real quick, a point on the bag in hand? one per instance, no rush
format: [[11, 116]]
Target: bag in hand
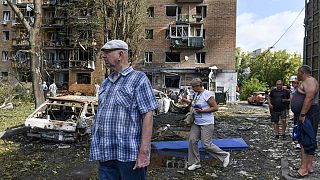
[[296, 132], [189, 118]]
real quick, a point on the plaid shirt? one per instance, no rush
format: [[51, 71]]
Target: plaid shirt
[[117, 130]]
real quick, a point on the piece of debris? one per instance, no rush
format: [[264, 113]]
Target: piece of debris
[[251, 119], [64, 146], [6, 106]]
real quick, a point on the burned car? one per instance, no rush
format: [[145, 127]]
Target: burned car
[[65, 118], [257, 98]]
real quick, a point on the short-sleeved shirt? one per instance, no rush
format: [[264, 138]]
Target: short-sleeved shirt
[[276, 99], [116, 133], [201, 101]]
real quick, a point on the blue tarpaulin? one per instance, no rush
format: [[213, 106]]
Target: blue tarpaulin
[[179, 148]]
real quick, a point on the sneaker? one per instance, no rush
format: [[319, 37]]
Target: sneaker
[[194, 167], [226, 160]]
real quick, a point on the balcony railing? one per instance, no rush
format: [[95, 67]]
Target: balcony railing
[[187, 42], [188, 18], [20, 42]]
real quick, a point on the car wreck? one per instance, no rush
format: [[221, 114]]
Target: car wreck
[[65, 118]]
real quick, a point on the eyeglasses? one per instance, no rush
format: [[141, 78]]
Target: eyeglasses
[[194, 85]]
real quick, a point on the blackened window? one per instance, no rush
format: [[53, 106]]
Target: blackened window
[[148, 57], [172, 57], [83, 78], [172, 81], [149, 34], [5, 35], [173, 10], [200, 57], [150, 12]]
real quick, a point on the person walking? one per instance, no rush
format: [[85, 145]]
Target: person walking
[[53, 89], [278, 100], [204, 105], [121, 135], [305, 106], [44, 89]]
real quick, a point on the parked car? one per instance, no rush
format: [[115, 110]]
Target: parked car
[[65, 118], [257, 98]]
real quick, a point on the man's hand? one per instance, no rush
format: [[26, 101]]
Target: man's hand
[[143, 160], [302, 118]]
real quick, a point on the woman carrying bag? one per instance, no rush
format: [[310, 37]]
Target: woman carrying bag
[[202, 128]]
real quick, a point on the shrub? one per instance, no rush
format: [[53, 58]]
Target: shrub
[[250, 86]]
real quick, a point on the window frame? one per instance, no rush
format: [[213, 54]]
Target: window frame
[[202, 56], [148, 57]]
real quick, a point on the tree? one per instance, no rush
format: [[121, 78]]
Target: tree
[[124, 19], [242, 66], [250, 86], [271, 66], [33, 30]]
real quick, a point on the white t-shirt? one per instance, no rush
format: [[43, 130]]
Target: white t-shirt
[[201, 101]]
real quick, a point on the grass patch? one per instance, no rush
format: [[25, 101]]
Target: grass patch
[[16, 116]]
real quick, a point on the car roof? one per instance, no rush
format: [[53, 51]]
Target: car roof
[[258, 92], [74, 98]]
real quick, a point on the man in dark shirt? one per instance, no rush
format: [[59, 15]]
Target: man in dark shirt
[[278, 99]]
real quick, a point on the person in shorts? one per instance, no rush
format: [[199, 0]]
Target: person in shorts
[[278, 100]]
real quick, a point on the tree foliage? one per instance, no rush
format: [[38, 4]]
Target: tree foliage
[[124, 19], [255, 74], [252, 85], [271, 66]]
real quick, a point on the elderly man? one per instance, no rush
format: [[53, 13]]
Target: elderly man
[[305, 106], [121, 135]]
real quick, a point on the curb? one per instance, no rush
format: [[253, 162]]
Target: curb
[[14, 131]]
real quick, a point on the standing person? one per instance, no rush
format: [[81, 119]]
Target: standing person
[[122, 131], [278, 99], [305, 106], [53, 89], [44, 89], [204, 105]]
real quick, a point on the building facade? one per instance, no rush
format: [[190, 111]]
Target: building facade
[[311, 51], [185, 39]]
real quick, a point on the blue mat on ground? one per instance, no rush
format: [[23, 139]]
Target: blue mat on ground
[[180, 148], [224, 144]]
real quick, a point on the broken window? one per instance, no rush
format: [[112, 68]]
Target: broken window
[[5, 35], [173, 10], [4, 76], [149, 33], [172, 56], [200, 57], [179, 31], [172, 81], [84, 78], [150, 12], [6, 15], [148, 57], [201, 13], [200, 33], [5, 55]]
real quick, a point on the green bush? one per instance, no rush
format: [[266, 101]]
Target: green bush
[[17, 93], [250, 86]]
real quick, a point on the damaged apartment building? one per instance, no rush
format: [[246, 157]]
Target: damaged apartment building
[[68, 48], [183, 39]]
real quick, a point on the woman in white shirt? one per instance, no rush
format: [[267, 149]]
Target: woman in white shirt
[[204, 105]]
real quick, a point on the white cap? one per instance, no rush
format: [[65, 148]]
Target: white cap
[[114, 45]]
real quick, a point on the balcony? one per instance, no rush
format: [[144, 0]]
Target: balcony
[[20, 42], [189, 1], [188, 18], [187, 42]]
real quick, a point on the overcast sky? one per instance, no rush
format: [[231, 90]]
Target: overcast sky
[[260, 23]]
